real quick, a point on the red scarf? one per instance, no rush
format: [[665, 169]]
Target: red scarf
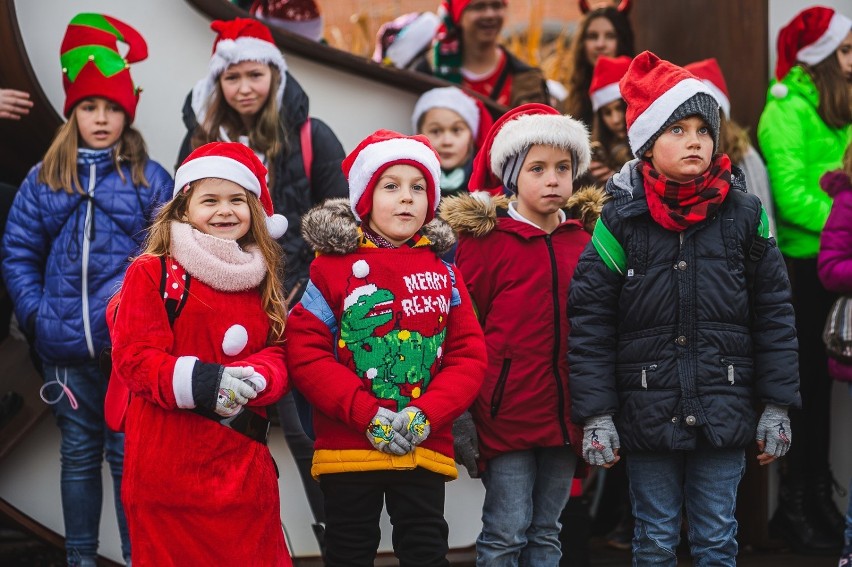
[[677, 206]]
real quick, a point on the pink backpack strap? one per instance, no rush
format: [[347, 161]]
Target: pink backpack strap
[[307, 147]]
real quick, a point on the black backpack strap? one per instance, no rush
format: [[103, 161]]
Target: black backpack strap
[[173, 306]]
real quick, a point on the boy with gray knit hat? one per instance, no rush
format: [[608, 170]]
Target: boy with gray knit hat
[[680, 320]]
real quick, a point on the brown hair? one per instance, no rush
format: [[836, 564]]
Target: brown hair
[[265, 136], [578, 104], [610, 149], [835, 102], [733, 140], [159, 240], [59, 166]]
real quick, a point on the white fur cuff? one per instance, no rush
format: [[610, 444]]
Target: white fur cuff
[[182, 381]]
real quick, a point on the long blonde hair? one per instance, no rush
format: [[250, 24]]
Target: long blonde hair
[[267, 134], [733, 140], [59, 167], [159, 240]]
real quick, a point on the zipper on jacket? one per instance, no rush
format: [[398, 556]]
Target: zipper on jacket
[[557, 338], [497, 395], [90, 209], [645, 370], [680, 237], [730, 365]]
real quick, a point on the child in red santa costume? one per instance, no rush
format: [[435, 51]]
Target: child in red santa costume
[[387, 348], [199, 482]]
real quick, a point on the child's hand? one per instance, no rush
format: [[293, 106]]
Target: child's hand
[[382, 435], [413, 424], [233, 393], [256, 381], [773, 434], [600, 441]]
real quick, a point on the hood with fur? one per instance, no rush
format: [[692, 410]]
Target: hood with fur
[[476, 213], [331, 228]]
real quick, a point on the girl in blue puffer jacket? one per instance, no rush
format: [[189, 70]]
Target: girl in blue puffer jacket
[[76, 220]]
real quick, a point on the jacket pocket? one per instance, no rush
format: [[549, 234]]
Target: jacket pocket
[[738, 370], [499, 387], [636, 376]]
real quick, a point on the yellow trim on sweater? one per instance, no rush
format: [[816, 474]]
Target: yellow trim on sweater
[[329, 461]]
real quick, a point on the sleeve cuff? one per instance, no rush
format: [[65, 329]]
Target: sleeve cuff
[[182, 381]]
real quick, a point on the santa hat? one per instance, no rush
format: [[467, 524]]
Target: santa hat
[[659, 93], [472, 111], [710, 73], [498, 162], [237, 40], [234, 162], [301, 17], [604, 86], [381, 150], [623, 6], [810, 37], [92, 65]]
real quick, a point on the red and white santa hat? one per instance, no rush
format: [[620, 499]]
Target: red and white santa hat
[[234, 162], [710, 73], [659, 93], [809, 38], [471, 110], [381, 150], [604, 86], [237, 40]]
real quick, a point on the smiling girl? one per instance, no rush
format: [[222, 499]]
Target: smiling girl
[[76, 219]]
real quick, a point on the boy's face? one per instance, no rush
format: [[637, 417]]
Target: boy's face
[[450, 135], [400, 203], [684, 150], [482, 21], [545, 182]]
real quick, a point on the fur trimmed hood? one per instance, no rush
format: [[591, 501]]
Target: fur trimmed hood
[[331, 228], [476, 213]]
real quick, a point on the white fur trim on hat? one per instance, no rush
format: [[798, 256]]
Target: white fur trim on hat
[[838, 28], [376, 156], [451, 98], [720, 97], [557, 90], [547, 129], [216, 166], [649, 122], [229, 52], [605, 95]]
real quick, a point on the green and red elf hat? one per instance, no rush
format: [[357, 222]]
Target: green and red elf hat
[[92, 65]]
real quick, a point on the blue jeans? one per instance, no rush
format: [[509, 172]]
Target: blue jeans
[[525, 492], [706, 480], [85, 440]]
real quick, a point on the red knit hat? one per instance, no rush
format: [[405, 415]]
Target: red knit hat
[[301, 17], [518, 130], [381, 150], [659, 93], [234, 162], [604, 86], [710, 73], [810, 37], [471, 109], [237, 40], [92, 65]]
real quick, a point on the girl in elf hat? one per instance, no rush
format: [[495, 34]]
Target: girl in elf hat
[[198, 341], [77, 217], [610, 150], [386, 347], [803, 132], [517, 258], [680, 320]]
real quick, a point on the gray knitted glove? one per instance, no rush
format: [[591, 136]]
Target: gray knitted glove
[[599, 440], [381, 434], [413, 424], [774, 429], [466, 443]]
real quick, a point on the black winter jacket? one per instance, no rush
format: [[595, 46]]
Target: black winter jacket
[[676, 346], [292, 194]]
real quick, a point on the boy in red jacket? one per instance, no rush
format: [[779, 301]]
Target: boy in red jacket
[[386, 347]]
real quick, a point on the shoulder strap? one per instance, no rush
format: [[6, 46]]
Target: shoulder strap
[[609, 249], [455, 298], [307, 147], [759, 244], [174, 296]]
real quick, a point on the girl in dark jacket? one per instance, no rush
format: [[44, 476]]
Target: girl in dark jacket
[[78, 217]]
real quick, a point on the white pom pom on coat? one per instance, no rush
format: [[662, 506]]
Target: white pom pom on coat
[[236, 339], [361, 269]]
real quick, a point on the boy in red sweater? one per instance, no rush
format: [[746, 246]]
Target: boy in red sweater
[[386, 347]]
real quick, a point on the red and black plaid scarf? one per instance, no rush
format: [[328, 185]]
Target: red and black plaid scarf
[[677, 206]]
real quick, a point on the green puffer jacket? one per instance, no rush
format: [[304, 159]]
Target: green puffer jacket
[[798, 148]]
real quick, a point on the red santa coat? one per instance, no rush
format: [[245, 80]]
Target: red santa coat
[[194, 491]]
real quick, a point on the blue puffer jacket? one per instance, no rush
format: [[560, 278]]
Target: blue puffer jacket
[[665, 335], [64, 254]]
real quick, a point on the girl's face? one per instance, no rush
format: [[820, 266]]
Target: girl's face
[[844, 57], [220, 208], [450, 135], [400, 202], [545, 182], [246, 87], [612, 115], [100, 122], [684, 150], [600, 39]]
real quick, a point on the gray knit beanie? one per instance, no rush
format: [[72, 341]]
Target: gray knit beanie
[[700, 104]]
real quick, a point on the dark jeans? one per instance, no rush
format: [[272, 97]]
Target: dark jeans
[[415, 504], [302, 449]]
